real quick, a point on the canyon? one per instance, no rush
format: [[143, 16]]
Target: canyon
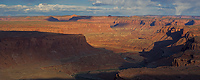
[[100, 47]]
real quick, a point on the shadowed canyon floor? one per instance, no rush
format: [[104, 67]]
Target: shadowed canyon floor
[[99, 48]]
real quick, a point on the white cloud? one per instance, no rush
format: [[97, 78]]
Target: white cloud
[[108, 2], [6, 8], [125, 3], [180, 7], [2, 5], [183, 6], [159, 5], [131, 7], [112, 7], [45, 8], [57, 8]]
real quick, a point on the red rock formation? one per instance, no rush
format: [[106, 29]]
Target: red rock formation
[[153, 40], [25, 47], [68, 53], [191, 55], [160, 73]]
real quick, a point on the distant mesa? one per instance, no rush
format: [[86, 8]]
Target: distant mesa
[[52, 19], [73, 18], [168, 24], [28, 17], [79, 17], [109, 15], [74, 15], [190, 22], [141, 38], [142, 23], [153, 23]]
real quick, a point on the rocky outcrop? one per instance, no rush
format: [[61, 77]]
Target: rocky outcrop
[[67, 53], [193, 43], [185, 63], [160, 73], [52, 19], [189, 57], [31, 47], [196, 44], [191, 54], [158, 22]]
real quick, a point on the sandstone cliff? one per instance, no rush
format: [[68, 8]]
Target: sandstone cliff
[[68, 53], [31, 47], [191, 54]]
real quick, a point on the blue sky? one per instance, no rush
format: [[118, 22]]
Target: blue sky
[[99, 7]]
